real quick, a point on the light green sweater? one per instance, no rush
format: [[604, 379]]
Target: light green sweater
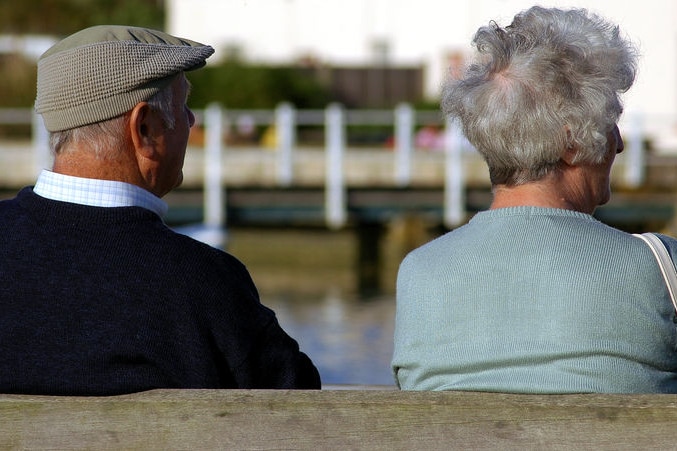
[[535, 300]]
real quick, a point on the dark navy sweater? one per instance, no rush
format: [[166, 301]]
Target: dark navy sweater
[[104, 301]]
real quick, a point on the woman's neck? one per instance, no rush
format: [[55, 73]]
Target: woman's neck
[[556, 190]]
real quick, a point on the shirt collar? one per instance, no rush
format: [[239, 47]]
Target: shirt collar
[[96, 193]]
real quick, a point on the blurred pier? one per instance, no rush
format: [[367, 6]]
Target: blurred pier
[[334, 181], [251, 193]]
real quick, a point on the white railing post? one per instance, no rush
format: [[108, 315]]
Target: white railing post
[[404, 143], [214, 204], [212, 230], [40, 138], [634, 152], [454, 177], [285, 124], [335, 209]]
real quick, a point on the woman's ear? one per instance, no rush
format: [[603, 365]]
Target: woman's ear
[[571, 149], [569, 155]]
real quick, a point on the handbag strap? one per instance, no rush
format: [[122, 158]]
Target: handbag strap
[[664, 262]]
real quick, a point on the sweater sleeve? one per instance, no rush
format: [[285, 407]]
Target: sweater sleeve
[[258, 352], [275, 361]]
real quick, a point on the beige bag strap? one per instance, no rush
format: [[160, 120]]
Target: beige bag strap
[[664, 262]]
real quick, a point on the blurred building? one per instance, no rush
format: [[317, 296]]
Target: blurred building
[[428, 36], [29, 46]]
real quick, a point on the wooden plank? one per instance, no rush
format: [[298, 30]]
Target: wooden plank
[[333, 419]]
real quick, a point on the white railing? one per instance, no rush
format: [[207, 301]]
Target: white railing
[[39, 135], [335, 120], [404, 121]]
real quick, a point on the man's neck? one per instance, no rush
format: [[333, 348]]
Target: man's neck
[[85, 164]]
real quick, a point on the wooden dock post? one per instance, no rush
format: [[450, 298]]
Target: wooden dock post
[[454, 186], [335, 197], [369, 239], [285, 124], [404, 143], [40, 140]]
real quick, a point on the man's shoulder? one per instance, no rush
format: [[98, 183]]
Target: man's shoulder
[[201, 253], [12, 201]]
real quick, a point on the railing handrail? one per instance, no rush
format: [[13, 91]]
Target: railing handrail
[[335, 120]]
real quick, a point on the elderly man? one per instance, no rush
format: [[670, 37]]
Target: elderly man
[[98, 295]]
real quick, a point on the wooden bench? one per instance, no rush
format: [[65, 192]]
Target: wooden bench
[[337, 419]]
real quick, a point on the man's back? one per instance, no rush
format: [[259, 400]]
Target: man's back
[[109, 300]]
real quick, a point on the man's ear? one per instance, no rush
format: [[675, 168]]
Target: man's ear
[[141, 129]]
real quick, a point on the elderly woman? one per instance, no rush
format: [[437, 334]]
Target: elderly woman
[[535, 295]]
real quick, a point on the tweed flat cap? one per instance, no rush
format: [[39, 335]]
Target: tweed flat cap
[[101, 72]]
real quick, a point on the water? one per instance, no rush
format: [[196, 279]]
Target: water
[[308, 278], [349, 340]]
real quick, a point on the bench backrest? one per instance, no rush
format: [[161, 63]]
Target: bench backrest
[[337, 419]]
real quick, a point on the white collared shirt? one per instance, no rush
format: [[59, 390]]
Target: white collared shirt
[[96, 193]]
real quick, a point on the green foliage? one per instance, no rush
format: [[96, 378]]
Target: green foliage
[[19, 77], [17, 90], [60, 18], [236, 85], [63, 17], [427, 104]]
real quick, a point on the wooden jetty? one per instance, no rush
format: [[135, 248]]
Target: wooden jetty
[[338, 183], [335, 181]]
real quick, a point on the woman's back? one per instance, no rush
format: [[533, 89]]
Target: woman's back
[[534, 300]]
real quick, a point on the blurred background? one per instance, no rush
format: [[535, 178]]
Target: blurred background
[[319, 157]]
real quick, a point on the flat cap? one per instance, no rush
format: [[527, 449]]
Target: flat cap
[[101, 72]]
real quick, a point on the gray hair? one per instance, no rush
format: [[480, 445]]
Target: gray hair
[[106, 138], [549, 81]]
